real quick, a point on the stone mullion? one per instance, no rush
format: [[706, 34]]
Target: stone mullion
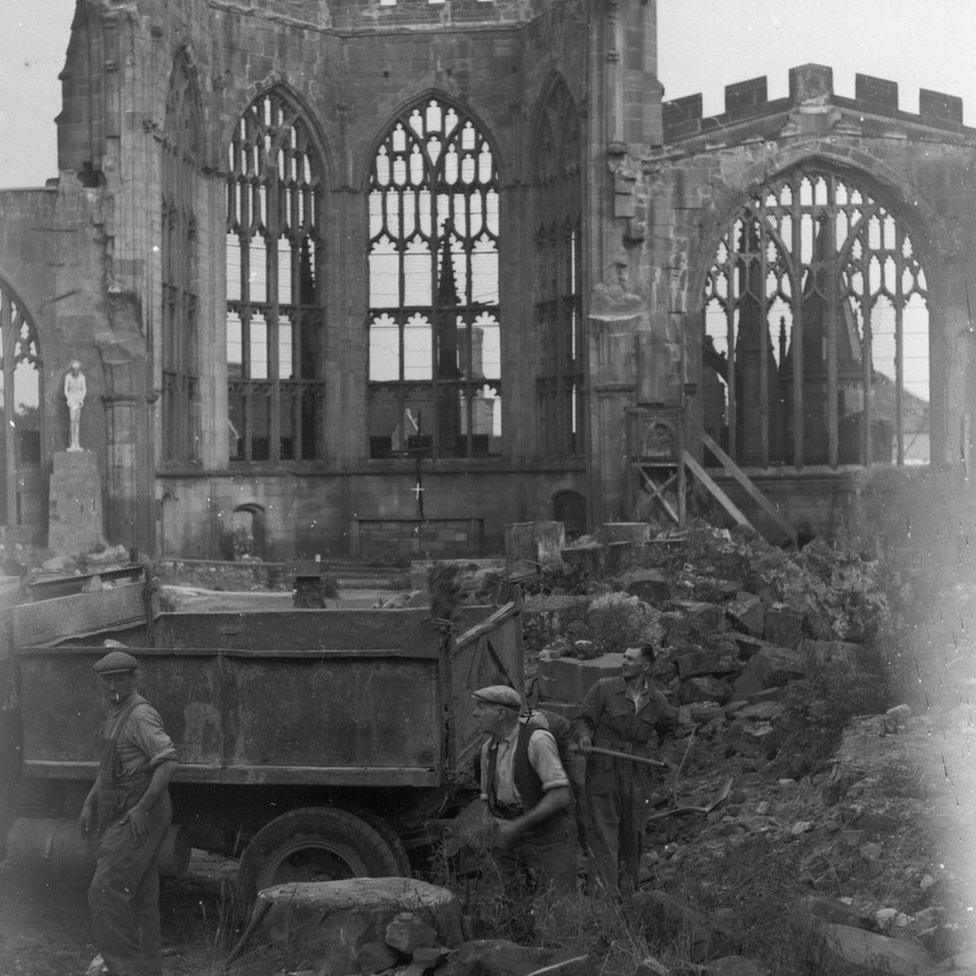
[[9, 448], [867, 355], [831, 313]]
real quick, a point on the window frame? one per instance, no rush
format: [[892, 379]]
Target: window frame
[[275, 210]]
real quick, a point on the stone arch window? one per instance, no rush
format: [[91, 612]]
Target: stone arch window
[[274, 302], [179, 319], [558, 285], [815, 332], [434, 322], [20, 400]]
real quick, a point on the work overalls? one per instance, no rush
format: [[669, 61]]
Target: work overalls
[[618, 792], [124, 893]]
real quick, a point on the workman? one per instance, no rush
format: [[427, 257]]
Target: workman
[[128, 812], [528, 795], [625, 714]]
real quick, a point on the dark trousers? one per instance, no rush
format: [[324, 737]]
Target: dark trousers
[[539, 863], [124, 896], [618, 805]]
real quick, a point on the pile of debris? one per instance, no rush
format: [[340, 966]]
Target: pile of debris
[[777, 663]]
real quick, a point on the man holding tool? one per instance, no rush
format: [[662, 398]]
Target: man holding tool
[[618, 726]]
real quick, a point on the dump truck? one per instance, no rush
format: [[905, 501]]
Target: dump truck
[[314, 744]]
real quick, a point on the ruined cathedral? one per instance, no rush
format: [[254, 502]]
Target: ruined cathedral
[[368, 275]]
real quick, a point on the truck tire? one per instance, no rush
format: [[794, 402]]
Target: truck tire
[[313, 844], [391, 837]]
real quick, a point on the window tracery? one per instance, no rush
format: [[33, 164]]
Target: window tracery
[[434, 322], [20, 405], [179, 319], [816, 331], [274, 307], [558, 304]]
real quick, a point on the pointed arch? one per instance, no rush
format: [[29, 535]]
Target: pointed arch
[[275, 190], [21, 371], [434, 320], [815, 326], [557, 190], [181, 149]]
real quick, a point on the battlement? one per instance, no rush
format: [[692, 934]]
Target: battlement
[[810, 84]]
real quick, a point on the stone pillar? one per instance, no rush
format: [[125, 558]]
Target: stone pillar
[[75, 503]]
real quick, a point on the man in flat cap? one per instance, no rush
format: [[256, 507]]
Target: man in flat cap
[[128, 811], [528, 796]]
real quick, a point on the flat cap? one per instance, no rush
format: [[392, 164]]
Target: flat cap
[[115, 662], [499, 695]]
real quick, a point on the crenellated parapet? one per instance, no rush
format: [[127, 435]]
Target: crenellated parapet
[[811, 91]]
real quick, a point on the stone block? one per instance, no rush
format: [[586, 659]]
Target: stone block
[[811, 83], [847, 946], [407, 932], [636, 533], [777, 665], [712, 590], [821, 653], [649, 585], [705, 661], [619, 557], [374, 957], [699, 619], [783, 626], [747, 644], [330, 922], [568, 680], [587, 560], [703, 688], [748, 613], [536, 542], [75, 503]]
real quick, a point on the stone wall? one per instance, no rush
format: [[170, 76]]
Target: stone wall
[[659, 183]]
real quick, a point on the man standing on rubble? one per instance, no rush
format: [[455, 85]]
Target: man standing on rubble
[[625, 714], [128, 811], [528, 796]]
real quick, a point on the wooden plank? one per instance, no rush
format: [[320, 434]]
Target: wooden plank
[[705, 478], [47, 622], [657, 491], [747, 483]]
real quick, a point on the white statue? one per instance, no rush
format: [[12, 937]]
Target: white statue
[[74, 392]]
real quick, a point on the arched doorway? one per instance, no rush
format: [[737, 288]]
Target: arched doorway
[[247, 531], [569, 507]]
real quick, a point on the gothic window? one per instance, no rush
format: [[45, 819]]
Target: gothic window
[[558, 308], [434, 324], [181, 382], [816, 330], [274, 306], [20, 402]]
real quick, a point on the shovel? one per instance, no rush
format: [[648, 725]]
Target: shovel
[[723, 792]]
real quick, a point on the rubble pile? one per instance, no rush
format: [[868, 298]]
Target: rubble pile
[[824, 847]]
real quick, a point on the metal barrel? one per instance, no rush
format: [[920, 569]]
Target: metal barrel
[[55, 847]]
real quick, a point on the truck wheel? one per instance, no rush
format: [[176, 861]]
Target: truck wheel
[[391, 837], [313, 844]]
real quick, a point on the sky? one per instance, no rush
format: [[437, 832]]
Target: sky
[[703, 46]]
